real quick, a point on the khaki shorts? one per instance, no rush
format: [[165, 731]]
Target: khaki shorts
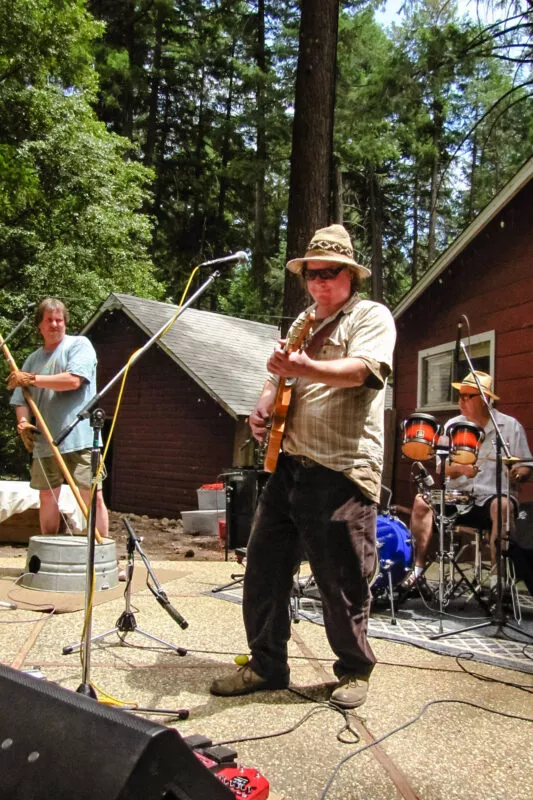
[[46, 472]]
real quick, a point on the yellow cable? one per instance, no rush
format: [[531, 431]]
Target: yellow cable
[[102, 460], [108, 699]]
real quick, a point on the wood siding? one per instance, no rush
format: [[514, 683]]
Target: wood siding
[[491, 283], [170, 436]]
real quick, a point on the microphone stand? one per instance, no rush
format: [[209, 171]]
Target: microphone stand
[[126, 623], [97, 417], [499, 618], [17, 327]]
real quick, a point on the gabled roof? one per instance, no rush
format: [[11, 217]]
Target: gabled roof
[[522, 177], [226, 356]]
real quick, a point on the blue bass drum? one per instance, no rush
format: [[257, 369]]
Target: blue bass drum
[[395, 553]]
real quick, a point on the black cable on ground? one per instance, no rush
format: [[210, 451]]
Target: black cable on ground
[[410, 722], [488, 678]]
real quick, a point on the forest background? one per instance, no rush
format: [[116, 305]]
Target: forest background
[[139, 138]]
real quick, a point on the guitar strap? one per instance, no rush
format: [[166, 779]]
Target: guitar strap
[[318, 339]]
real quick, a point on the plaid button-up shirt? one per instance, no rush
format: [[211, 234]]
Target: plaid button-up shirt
[[342, 428]]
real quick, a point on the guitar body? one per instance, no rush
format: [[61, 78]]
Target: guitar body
[[283, 396]]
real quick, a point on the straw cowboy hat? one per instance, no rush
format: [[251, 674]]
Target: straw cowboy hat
[[330, 244], [484, 379]]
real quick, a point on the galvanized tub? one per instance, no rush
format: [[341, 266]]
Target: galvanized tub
[[59, 564]]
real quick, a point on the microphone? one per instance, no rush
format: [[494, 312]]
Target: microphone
[[240, 256], [457, 350], [424, 475], [163, 600]]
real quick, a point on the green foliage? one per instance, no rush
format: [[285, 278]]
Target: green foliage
[[420, 109], [242, 298], [71, 192], [47, 40]]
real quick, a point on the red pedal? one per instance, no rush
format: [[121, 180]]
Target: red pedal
[[246, 783]]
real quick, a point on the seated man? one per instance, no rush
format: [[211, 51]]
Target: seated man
[[479, 478]]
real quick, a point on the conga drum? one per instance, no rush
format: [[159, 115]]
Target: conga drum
[[465, 441], [420, 435]]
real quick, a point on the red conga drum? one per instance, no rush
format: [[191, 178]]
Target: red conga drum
[[420, 434], [465, 441]]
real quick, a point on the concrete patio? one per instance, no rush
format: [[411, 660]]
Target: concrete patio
[[470, 746]]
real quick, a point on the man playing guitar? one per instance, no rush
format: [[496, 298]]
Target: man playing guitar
[[323, 495]]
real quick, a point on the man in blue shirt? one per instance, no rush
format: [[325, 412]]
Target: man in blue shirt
[[61, 378]]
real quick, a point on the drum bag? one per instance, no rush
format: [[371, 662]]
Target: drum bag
[[521, 546], [523, 564]]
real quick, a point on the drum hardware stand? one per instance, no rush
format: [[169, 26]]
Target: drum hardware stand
[[97, 417], [499, 618], [453, 560], [387, 566], [127, 623], [448, 556], [297, 592], [236, 578]]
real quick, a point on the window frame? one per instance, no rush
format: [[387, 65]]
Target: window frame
[[478, 338]]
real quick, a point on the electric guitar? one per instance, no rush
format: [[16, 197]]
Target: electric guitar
[[295, 341]]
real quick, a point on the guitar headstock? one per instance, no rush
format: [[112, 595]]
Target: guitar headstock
[[300, 332]]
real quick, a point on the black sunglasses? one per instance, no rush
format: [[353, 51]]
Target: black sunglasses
[[464, 396], [325, 274]]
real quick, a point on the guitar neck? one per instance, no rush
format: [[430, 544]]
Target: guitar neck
[[283, 396]]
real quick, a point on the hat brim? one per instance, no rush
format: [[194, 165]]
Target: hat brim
[[459, 386], [295, 264]]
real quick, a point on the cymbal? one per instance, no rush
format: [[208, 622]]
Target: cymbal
[[512, 460]]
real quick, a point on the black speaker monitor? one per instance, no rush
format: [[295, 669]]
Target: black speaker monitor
[[243, 488], [59, 745]]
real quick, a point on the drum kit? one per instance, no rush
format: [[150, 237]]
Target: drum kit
[[420, 442]]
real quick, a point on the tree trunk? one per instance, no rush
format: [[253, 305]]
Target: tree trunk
[[259, 253], [226, 144], [153, 102], [337, 201], [473, 182], [312, 139], [414, 251], [160, 179], [433, 210], [438, 131], [376, 232]]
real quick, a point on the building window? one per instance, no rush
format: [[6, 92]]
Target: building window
[[435, 367]]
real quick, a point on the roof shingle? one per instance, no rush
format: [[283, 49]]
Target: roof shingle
[[225, 355]]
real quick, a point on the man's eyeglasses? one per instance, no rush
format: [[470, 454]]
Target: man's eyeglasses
[[464, 396], [325, 274]]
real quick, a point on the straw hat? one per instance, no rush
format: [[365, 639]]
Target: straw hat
[[484, 379], [330, 244]]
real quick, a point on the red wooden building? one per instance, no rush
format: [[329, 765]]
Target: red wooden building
[[487, 276], [182, 419]]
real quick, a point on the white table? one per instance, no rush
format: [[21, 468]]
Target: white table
[[17, 497]]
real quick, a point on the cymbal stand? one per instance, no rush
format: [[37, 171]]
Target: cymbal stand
[[448, 556], [442, 503]]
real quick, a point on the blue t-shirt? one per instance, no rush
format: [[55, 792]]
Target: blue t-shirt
[[74, 354]]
